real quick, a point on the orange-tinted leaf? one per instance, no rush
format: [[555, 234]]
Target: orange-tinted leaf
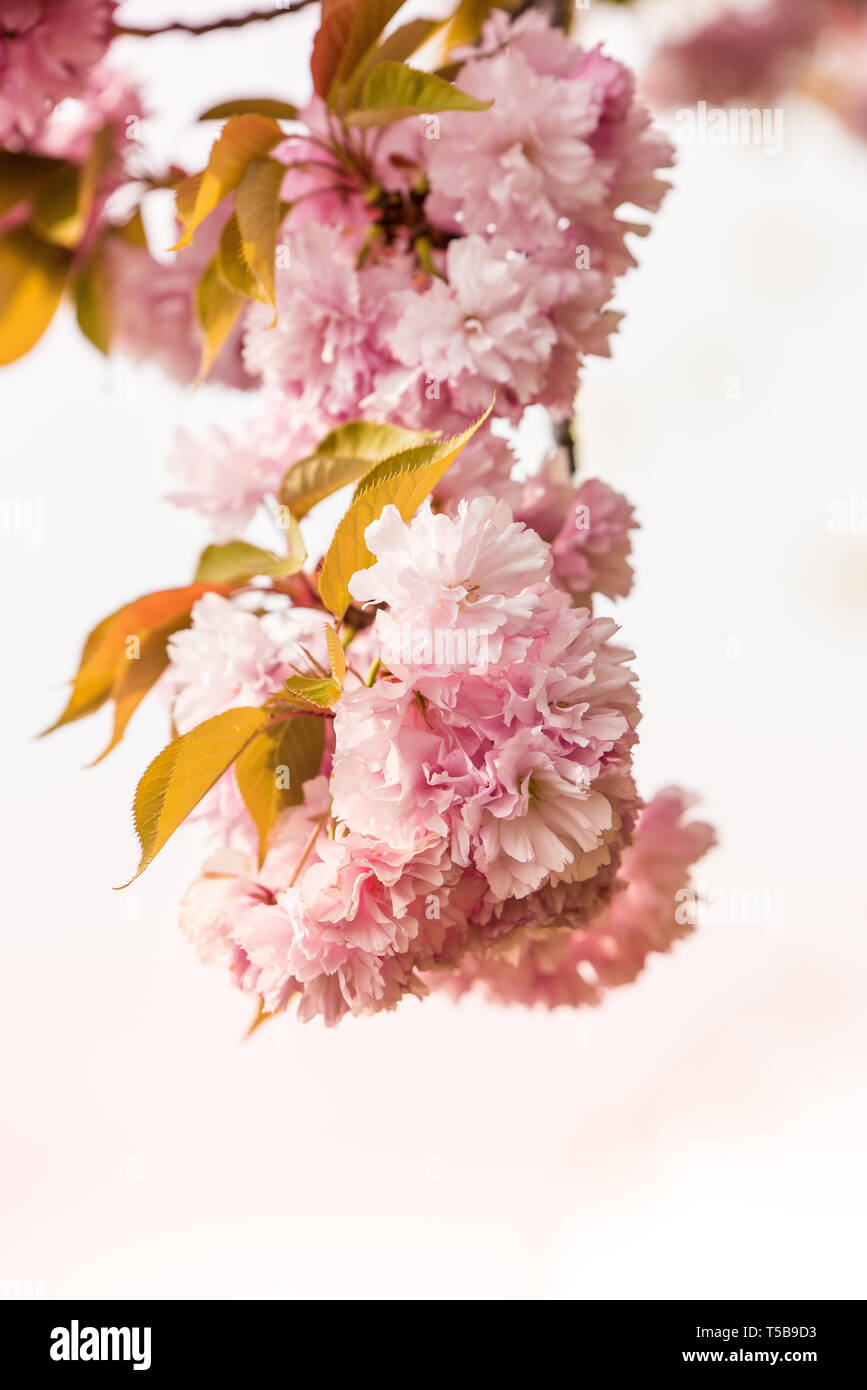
[[107, 645], [330, 42], [137, 675]]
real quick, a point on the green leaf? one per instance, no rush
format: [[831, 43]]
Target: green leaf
[[236, 561], [242, 139], [246, 106], [259, 213], [369, 19], [217, 310], [92, 293], [32, 278], [392, 91], [401, 44], [179, 776], [273, 767], [344, 456], [402, 481], [321, 691]]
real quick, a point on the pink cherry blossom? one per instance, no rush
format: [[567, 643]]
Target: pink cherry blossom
[[474, 571], [749, 52], [229, 658], [47, 48], [557, 967]]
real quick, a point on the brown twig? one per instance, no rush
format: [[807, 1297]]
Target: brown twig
[[214, 25]]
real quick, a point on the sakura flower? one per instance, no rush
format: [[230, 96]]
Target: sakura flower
[[556, 967], [564, 146], [535, 819], [46, 50], [748, 52], [229, 657], [488, 327], [328, 343], [526, 163], [226, 476], [474, 571]]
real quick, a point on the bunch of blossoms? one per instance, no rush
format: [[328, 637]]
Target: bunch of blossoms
[[47, 50], [746, 53], [72, 178], [426, 263], [479, 796], [759, 52], [414, 756]]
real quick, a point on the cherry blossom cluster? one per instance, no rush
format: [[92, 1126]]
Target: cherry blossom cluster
[[472, 823], [471, 820], [455, 255]]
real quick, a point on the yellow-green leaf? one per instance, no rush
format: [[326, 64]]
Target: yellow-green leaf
[[21, 175], [179, 776], [57, 213], [294, 540], [259, 213], [236, 561], [232, 264], [401, 44], [274, 766], [217, 310], [403, 481], [319, 692], [392, 91], [336, 654], [32, 277], [369, 19], [63, 201], [242, 139], [257, 106], [92, 293], [344, 456]]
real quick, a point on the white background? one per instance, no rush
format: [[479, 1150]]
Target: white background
[[702, 1133]]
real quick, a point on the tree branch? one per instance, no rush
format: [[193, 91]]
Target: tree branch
[[564, 437], [213, 27]]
